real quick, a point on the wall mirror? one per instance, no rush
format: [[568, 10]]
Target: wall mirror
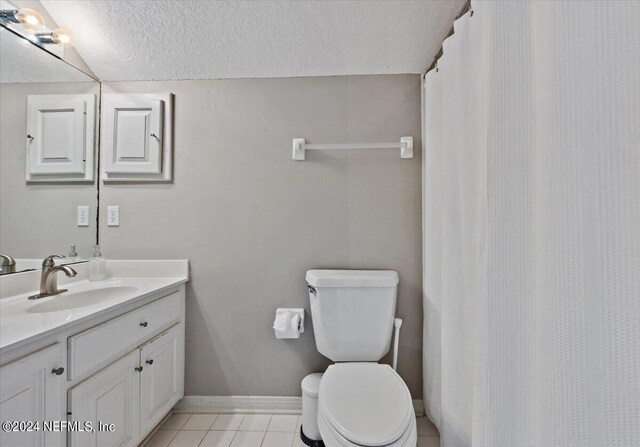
[[48, 153]]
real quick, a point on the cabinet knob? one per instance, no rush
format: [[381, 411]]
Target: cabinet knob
[[144, 324], [57, 371], [138, 368], [150, 362]]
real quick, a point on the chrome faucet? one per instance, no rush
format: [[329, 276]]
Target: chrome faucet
[[8, 264], [49, 279]]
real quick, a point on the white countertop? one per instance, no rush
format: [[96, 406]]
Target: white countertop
[[21, 321]]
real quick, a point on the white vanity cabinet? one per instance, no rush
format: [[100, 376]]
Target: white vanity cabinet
[[111, 380], [31, 391], [133, 394]]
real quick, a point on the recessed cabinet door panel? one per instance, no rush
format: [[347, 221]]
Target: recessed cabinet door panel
[[162, 382], [31, 391], [133, 136], [108, 397]]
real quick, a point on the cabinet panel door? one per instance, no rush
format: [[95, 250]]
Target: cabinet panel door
[[111, 396], [31, 391], [162, 379], [56, 136], [136, 137], [60, 137]]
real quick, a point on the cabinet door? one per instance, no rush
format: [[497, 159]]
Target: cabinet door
[[162, 379], [30, 390], [136, 137], [111, 396], [60, 137]]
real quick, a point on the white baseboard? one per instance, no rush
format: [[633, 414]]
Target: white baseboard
[[251, 405], [239, 404]]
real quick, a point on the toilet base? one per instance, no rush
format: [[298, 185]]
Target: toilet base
[[310, 442]]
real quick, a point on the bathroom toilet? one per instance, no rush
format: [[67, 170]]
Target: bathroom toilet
[[357, 402]]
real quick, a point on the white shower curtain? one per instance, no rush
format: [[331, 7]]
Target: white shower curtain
[[532, 227]]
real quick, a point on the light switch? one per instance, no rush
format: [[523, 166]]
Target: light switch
[[113, 216], [83, 216]]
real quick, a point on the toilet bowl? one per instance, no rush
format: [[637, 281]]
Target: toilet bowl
[[365, 404]]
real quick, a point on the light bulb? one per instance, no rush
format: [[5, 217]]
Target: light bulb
[[30, 19], [62, 37]]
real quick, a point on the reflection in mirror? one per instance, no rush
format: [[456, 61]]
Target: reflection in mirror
[[48, 195]]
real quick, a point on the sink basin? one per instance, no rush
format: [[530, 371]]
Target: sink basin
[[80, 298]]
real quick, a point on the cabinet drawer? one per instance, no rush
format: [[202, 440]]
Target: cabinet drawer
[[101, 343]]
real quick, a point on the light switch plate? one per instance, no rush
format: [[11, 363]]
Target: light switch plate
[[113, 216], [83, 216]]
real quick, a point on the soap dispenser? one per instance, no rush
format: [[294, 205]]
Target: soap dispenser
[[73, 254], [97, 266]]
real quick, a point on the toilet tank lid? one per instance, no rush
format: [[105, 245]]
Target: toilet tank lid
[[352, 278]]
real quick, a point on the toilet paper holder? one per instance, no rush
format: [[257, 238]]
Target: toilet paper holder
[[288, 323]]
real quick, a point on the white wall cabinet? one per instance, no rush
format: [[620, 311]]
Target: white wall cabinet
[[31, 390], [137, 137], [60, 138]]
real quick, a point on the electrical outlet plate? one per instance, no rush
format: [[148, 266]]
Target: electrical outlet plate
[[113, 216], [83, 216]]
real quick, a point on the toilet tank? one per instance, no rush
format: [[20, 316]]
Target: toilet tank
[[352, 312]]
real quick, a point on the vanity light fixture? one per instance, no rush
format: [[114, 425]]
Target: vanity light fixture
[[58, 36], [27, 17]]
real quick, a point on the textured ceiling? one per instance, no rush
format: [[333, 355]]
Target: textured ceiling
[[23, 62], [163, 40]]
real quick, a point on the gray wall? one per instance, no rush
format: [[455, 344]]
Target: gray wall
[[38, 219], [252, 221]]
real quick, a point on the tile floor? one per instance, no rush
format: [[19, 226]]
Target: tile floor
[[251, 430]]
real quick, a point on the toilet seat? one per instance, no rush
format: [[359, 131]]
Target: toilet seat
[[332, 438], [365, 404]]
